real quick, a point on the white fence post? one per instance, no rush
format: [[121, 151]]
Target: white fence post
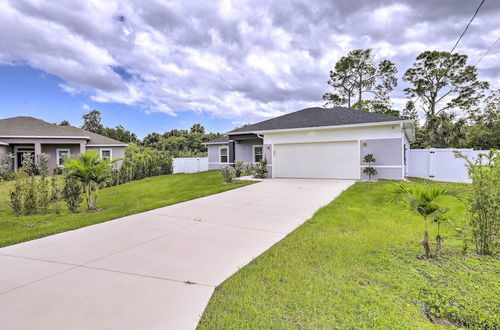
[[440, 164], [190, 165]]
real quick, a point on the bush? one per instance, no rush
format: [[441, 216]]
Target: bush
[[140, 163], [261, 169], [484, 203], [71, 193], [28, 163], [31, 197], [58, 171], [44, 194], [228, 174], [239, 168], [54, 189], [43, 163], [17, 195], [6, 167]]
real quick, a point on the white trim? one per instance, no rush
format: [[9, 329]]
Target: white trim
[[227, 155], [253, 152], [383, 166], [107, 145], [106, 149], [383, 123], [58, 157], [3, 143], [214, 143], [216, 163], [44, 137], [359, 159]]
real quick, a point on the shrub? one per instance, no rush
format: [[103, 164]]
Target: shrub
[[249, 168], [260, 171], [42, 163], [484, 202], [28, 163], [228, 174], [17, 195], [239, 168], [54, 189], [58, 171], [71, 193], [369, 170], [31, 197], [44, 194], [6, 168]]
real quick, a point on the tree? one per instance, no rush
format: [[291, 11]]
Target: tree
[[422, 199], [410, 111], [376, 107], [120, 133], [356, 74], [197, 128], [443, 81], [369, 170], [484, 133], [92, 122], [91, 170], [64, 123]]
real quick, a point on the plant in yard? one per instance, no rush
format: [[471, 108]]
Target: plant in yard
[[28, 163], [92, 171], [44, 193], [17, 194], [239, 168], [260, 171], [422, 199], [72, 193], [369, 170], [6, 169], [58, 171], [228, 174], [249, 168], [54, 189], [31, 197], [42, 163], [484, 210]]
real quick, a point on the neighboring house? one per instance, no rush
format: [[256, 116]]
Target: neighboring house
[[319, 143], [21, 135]]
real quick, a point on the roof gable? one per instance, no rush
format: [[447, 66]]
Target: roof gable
[[318, 117], [33, 127]]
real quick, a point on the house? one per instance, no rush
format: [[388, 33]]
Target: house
[[21, 135], [319, 143]]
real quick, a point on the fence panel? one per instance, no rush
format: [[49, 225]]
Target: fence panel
[[190, 165], [439, 164]]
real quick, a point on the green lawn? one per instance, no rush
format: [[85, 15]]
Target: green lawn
[[114, 202], [354, 265]]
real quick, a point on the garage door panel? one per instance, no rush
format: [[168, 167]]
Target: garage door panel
[[335, 160]]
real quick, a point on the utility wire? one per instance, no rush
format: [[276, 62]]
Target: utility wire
[[467, 27], [486, 52]]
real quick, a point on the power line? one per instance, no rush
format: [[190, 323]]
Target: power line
[[486, 52], [467, 27]]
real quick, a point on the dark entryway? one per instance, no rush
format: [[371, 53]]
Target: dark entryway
[[21, 154]]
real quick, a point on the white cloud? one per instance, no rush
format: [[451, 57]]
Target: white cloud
[[244, 60]]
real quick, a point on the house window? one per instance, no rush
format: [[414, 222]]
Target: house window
[[61, 156], [223, 154], [257, 153], [106, 154]]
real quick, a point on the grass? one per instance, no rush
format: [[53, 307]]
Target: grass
[[354, 265], [114, 202]]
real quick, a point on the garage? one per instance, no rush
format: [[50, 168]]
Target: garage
[[327, 160]]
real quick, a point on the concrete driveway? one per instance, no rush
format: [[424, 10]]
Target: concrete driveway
[[153, 270]]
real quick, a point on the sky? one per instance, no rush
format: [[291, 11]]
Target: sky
[[158, 65]]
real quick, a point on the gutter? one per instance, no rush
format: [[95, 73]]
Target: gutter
[[43, 137]]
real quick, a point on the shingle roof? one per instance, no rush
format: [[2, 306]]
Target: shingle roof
[[29, 126], [221, 140], [317, 117]]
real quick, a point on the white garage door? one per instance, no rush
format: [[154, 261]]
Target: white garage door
[[332, 160]]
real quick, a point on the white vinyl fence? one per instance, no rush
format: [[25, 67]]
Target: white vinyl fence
[[439, 164], [190, 165]]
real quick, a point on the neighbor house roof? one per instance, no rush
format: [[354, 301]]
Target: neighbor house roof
[[318, 117], [29, 127], [221, 140]]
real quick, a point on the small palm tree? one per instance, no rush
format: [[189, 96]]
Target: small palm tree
[[421, 199], [91, 170]]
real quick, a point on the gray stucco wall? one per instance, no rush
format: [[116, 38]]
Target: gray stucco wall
[[213, 156], [51, 150], [387, 152], [244, 150]]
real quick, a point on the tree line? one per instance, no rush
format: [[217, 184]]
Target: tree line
[[460, 111], [177, 142]]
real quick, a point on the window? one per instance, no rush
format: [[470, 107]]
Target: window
[[61, 156], [223, 151], [257, 153], [106, 154]]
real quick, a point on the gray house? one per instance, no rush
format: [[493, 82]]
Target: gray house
[[319, 143], [28, 135]]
